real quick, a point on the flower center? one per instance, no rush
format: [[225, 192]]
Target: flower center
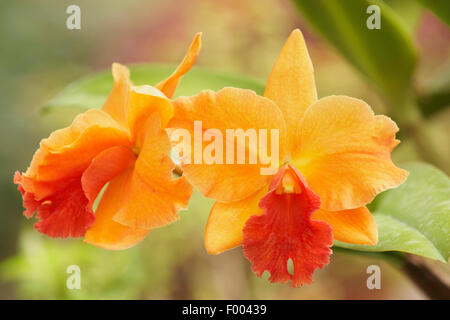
[[289, 184], [136, 150]]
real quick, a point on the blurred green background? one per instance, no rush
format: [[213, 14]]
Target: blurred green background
[[39, 56]]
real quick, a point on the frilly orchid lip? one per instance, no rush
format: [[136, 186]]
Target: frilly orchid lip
[[286, 231], [338, 147], [124, 147]]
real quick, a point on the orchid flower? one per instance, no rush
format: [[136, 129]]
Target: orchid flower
[[122, 148], [334, 159]]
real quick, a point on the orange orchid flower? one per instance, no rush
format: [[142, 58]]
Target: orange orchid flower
[[123, 144], [335, 158]]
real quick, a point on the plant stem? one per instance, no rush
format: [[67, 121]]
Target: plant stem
[[424, 273], [427, 277]]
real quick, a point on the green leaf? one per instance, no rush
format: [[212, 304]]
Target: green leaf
[[441, 8], [386, 56], [415, 217], [92, 91], [409, 12]]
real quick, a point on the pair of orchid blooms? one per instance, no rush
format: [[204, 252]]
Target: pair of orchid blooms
[[335, 158]]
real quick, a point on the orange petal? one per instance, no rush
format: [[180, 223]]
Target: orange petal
[[229, 108], [154, 195], [116, 103], [169, 85], [345, 152], [226, 221], [107, 233], [68, 152], [352, 226], [145, 100], [103, 168], [291, 84]]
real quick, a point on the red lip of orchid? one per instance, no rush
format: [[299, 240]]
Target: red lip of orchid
[[286, 231]]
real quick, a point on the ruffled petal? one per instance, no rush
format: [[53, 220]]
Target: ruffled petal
[[291, 84], [169, 85], [113, 165], [116, 104], [63, 214], [145, 100], [107, 233], [30, 204], [226, 221], [355, 226], [103, 168], [229, 110], [344, 152], [154, 196], [285, 231], [52, 184], [69, 151]]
